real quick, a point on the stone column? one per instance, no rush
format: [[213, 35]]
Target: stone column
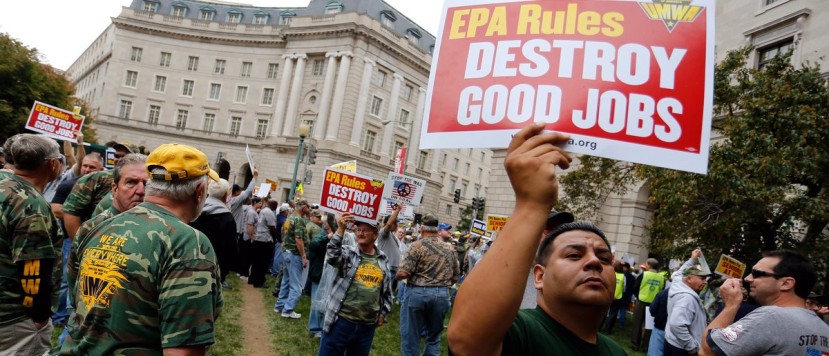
[[416, 126], [339, 97], [360, 112], [282, 95], [391, 116], [325, 101], [293, 99]]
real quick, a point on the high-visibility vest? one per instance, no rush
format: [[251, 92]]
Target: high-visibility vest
[[620, 285], [652, 283]]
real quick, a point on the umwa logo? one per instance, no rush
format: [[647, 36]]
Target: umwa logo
[[671, 12]]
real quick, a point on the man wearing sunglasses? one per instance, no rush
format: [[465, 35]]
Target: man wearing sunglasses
[[780, 282]]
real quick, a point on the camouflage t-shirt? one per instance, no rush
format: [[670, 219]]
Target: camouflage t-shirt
[[294, 228], [104, 204], [430, 263], [81, 238], [87, 192], [28, 231], [146, 281]]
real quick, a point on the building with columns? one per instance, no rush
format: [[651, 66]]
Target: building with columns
[[223, 76], [771, 26]]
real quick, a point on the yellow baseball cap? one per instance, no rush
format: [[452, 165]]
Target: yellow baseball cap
[[180, 161]]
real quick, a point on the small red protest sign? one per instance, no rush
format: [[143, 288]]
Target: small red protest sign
[[53, 121], [353, 193]]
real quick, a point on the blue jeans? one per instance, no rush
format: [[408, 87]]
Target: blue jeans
[[315, 319], [656, 345], [345, 337], [426, 307], [291, 287], [276, 264], [62, 314], [620, 318]]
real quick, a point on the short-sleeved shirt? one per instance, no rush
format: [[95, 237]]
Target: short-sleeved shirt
[[430, 262], [81, 237], [251, 217], [533, 332], [362, 299], [28, 231], [104, 204], [294, 228], [773, 330], [87, 192], [262, 231], [146, 281]]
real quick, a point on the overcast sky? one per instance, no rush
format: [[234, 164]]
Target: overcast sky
[[62, 29]]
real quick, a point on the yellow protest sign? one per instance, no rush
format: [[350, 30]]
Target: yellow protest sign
[[730, 267], [349, 166], [273, 184], [496, 222]]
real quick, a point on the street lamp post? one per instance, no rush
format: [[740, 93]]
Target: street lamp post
[[303, 131], [410, 123]]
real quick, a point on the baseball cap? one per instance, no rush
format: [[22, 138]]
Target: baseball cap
[[558, 217], [284, 207], [375, 226], [180, 161], [429, 220], [696, 270], [122, 147], [301, 202], [444, 226]]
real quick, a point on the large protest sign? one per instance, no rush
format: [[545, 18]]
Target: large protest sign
[[628, 80], [496, 222], [351, 192], [404, 189], [54, 121], [730, 267]]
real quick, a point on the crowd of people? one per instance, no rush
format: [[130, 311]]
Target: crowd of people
[[135, 260]]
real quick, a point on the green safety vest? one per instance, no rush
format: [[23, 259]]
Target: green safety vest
[[620, 288], [652, 283]]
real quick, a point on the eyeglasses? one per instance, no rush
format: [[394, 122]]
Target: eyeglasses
[[760, 274], [363, 231]]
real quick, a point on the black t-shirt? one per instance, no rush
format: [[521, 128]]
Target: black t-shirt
[[61, 193]]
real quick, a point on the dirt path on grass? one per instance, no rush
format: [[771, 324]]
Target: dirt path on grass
[[257, 335]]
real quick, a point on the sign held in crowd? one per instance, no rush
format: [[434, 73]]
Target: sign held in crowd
[[353, 193], [626, 80], [496, 222], [478, 227], [730, 267], [54, 121], [404, 189]]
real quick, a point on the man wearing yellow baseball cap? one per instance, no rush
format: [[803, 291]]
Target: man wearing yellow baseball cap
[[148, 282]]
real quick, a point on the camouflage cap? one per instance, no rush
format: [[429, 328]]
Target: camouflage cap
[[180, 161]]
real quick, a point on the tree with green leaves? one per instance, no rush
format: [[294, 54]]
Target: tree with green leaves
[[767, 185], [23, 79]]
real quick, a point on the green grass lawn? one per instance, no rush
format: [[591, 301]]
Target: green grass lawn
[[229, 328]]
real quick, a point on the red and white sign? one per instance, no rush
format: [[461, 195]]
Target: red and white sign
[[400, 160], [54, 122], [628, 80], [351, 192]]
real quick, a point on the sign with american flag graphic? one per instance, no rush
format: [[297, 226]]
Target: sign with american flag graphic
[[404, 189], [387, 208]]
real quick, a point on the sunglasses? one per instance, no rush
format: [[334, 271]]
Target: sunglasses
[[760, 274]]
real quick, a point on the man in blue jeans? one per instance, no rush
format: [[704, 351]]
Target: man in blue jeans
[[431, 267], [294, 240]]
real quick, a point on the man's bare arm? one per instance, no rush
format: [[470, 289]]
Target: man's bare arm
[[72, 224], [76, 169], [478, 325]]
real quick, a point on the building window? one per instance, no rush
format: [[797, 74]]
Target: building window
[[463, 189], [154, 114], [207, 14], [220, 66], [209, 120], [477, 190], [267, 96], [234, 17], [150, 6], [333, 7], [160, 84], [480, 172], [403, 118], [376, 105], [406, 93], [442, 160], [187, 88], [235, 125], [380, 78], [193, 63], [387, 18], [247, 67], [215, 91], [466, 169], [448, 209], [178, 11], [272, 69], [319, 65], [181, 119], [261, 128], [125, 109], [483, 156], [769, 2], [455, 164], [132, 79], [452, 184], [285, 17], [135, 54], [368, 141], [165, 59], [421, 160], [766, 54], [260, 19], [397, 146], [241, 94]]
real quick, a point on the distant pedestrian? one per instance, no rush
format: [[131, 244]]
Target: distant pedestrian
[[294, 240], [217, 223]]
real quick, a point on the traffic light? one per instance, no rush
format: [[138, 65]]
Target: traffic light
[[478, 203], [481, 203], [457, 195], [312, 154], [475, 203], [308, 176]]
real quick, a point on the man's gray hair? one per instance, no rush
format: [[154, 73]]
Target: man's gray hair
[[175, 190], [30, 152], [132, 158], [218, 189], [96, 156]]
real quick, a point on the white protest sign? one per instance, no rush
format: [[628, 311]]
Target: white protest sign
[[404, 189]]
